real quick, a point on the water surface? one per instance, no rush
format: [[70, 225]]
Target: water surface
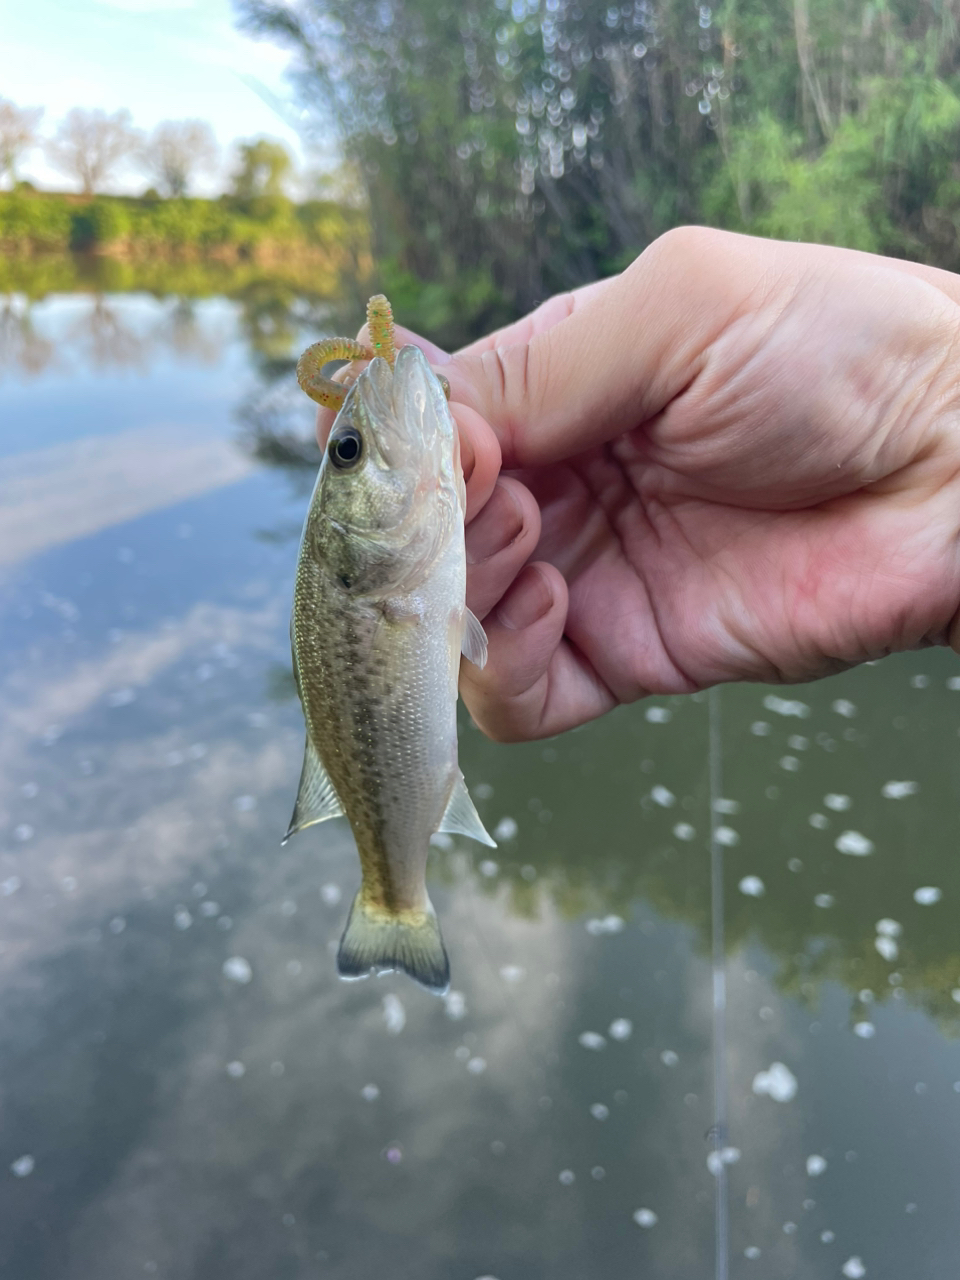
[[187, 1090]]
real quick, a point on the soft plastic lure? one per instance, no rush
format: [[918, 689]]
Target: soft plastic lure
[[314, 360]]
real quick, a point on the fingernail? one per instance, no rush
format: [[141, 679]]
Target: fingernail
[[527, 601], [468, 458], [498, 524]]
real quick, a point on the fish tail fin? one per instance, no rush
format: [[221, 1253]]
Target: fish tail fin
[[378, 940]]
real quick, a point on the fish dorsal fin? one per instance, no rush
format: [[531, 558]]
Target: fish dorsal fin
[[474, 643], [317, 799], [461, 817]]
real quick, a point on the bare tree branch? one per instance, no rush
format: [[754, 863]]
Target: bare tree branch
[[177, 151], [18, 135], [89, 145]]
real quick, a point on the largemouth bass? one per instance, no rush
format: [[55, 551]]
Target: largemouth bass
[[379, 622]]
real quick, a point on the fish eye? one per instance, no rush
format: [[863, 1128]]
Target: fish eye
[[346, 449]]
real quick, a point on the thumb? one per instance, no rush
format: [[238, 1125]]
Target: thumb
[[616, 356]]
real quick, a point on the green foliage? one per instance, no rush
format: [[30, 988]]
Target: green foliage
[[264, 164], [98, 224], [540, 145]]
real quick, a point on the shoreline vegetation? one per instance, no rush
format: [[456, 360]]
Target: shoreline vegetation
[[53, 241]]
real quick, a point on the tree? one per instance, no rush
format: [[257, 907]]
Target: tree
[[263, 166], [89, 145], [18, 135], [176, 151]]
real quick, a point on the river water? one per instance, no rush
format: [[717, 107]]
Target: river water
[[705, 1006]]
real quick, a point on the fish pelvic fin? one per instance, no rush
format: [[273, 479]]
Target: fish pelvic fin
[[377, 940], [317, 799]]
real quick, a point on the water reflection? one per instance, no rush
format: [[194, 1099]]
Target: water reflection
[[187, 1087]]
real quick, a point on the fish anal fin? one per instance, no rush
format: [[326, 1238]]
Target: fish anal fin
[[380, 941], [317, 799], [461, 817], [474, 643]]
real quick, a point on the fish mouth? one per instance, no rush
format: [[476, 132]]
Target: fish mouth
[[406, 409]]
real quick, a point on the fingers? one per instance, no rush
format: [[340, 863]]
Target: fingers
[[535, 683], [499, 542]]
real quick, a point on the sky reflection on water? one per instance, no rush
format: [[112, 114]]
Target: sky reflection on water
[[186, 1088]]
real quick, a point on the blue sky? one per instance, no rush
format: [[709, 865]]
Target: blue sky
[[162, 59]]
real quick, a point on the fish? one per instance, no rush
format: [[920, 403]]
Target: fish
[[378, 626]]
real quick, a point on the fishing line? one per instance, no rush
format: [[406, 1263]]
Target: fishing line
[[719, 974]]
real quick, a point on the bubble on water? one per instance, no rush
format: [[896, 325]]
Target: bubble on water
[[819, 820], [23, 1166], [235, 1070], [824, 900], [512, 972], [394, 1014], [854, 843], [684, 831], [919, 682], [477, 1066], [598, 1173], [777, 1082], [9, 886], [658, 715], [786, 706], [886, 947], [454, 1005], [844, 708], [815, 1166], [461, 1053], [838, 803], [789, 1228], [752, 886], [889, 928], [865, 1030], [797, 742], [121, 698], [751, 1252], [237, 970], [953, 683], [669, 1058], [717, 1159], [393, 1154], [865, 996], [897, 790], [277, 1069], [592, 1040], [927, 895], [645, 1218], [620, 1029], [482, 790], [790, 763], [853, 1268], [726, 836], [506, 829], [663, 797], [440, 840], [245, 804], [488, 868], [117, 924], [330, 894], [599, 1111], [761, 728], [725, 805], [955, 994], [567, 1176], [528, 872], [827, 1237], [182, 919], [609, 924], [209, 909]]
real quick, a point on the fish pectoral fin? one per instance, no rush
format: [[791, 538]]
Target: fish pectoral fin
[[474, 643], [461, 817], [317, 799], [380, 941]]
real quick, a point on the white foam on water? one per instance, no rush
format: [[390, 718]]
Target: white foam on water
[[684, 831], [786, 706], [717, 1159], [645, 1218], [854, 843], [819, 821], [777, 1082], [927, 895], [235, 1070], [824, 900], [790, 763], [898, 790], [843, 707], [722, 805], [726, 836], [506, 829], [815, 1166], [592, 1040], [23, 1166], [752, 886], [886, 947], [620, 1029], [663, 797], [854, 1269], [394, 1014], [889, 928], [237, 970], [599, 1111], [658, 715], [567, 1176], [669, 1058], [838, 803], [477, 1066], [865, 1030]]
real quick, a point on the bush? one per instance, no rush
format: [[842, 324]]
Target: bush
[[100, 223]]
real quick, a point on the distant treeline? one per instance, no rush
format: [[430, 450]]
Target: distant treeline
[[510, 148], [265, 229]]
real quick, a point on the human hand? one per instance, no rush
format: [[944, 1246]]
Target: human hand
[[738, 460]]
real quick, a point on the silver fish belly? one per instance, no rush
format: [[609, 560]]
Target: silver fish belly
[[379, 622]]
